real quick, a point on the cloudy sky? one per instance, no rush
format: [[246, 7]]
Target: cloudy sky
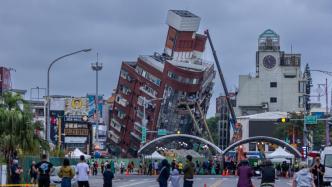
[[35, 32]]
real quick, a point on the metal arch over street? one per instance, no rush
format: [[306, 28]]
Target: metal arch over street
[[216, 148], [265, 139]]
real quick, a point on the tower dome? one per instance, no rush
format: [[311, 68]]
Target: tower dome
[[268, 40]]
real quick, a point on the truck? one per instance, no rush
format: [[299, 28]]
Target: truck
[[326, 160]]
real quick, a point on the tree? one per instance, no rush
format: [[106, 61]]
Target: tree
[[286, 130], [307, 76], [17, 128], [213, 126]]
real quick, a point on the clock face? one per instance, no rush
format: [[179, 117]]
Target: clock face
[[269, 61]]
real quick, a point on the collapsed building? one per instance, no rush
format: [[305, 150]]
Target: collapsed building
[[175, 87]]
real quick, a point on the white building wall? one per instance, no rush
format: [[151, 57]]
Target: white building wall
[[254, 91]]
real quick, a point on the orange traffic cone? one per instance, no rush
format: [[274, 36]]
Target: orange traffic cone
[[227, 173], [223, 173], [127, 172]]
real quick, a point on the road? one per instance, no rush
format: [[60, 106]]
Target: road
[[200, 181]]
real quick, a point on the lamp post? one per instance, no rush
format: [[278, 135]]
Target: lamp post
[[48, 128], [97, 67], [327, 127]]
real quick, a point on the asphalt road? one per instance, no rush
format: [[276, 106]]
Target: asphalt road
[[199, 181]]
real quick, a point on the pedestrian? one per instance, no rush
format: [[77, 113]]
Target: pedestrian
[[164, 173], [122, 166], [108, 176], [217, 167], [102, 166], [180, 167], [16, 172], [175, 178], [112, 166], [150, 168], [155, 167], [33, 173], [268, 174], [173, 165], [66, 173], [82, 173], [44, 169], [303, 177], [245, 173], [318, 171], [188, 170], [95, 168], [132, 166]]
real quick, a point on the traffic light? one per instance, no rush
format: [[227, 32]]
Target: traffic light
[[283, 120]]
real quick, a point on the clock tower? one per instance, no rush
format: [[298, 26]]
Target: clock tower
[[268, 54], [278, 84]]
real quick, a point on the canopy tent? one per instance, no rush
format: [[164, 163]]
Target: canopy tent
[[155, 155], [280, 153], [280, 160], [77, 153]]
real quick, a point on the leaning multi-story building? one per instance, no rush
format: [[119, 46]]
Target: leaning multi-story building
[[176, 86]]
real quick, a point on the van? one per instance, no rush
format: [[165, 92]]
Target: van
[[326, 160]]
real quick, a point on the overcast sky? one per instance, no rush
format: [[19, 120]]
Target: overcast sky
[[35, 32]]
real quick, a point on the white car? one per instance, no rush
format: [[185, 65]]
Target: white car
[[56, 180]]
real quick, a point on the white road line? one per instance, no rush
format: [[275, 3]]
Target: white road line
[[136, 183]]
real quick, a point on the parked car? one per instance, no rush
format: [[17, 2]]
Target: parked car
[[56, 180]]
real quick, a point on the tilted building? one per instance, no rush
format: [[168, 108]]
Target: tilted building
[[175, 86]]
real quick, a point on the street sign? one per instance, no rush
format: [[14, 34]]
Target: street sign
[[143, 134], [162, 132], [310, 120]]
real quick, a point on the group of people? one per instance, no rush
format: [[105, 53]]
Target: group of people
[[119, 167], [171, 172], [306, 176], [40, 173]]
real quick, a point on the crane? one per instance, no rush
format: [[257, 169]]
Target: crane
[[236, 127]]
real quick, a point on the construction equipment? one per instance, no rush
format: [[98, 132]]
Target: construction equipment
[[236, 127]]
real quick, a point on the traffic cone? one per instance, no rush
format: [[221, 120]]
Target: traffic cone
[[127, 172], [223, 173], [227, 173]]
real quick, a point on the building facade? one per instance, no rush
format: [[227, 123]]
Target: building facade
[[5, 79], [174, 86], [278, 85]]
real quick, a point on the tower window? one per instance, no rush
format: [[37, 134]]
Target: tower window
[[273, 84], [273, 99]]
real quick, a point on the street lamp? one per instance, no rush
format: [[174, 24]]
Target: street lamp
[[327, 127], [48, 127], [97, 67]]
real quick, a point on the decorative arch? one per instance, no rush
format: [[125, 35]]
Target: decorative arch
[[216, 148], [265, 139]]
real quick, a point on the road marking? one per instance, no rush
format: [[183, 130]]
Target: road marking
[[136, 183], [216, 184]]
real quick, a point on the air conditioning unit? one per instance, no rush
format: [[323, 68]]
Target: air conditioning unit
[[265, 105]]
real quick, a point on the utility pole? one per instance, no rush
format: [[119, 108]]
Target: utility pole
[[327, 127], [97, 67]]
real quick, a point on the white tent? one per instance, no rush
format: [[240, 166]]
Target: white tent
[[77, 153], [280, 153], [155, 155], [280, 160]]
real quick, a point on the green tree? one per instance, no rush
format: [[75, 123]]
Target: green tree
[[213, 126], [17, 128], [286, 130]]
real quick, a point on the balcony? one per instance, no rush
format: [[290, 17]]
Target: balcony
[[114, 137], [137, 126], [143, 89], [135, 136], [116, 125], [122, 101]]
